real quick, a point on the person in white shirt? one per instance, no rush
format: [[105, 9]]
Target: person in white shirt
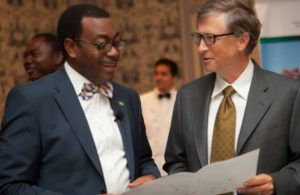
[[157, 108]]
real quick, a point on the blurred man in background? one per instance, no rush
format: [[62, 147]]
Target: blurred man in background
[[43, 55], [157, 108]]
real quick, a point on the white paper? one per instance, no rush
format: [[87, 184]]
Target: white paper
[[216, 178]]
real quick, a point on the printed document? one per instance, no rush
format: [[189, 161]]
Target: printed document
[[220, 177]]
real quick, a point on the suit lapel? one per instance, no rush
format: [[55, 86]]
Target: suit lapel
[[200, 108], [118, 104], [70, 106], [259, 101]]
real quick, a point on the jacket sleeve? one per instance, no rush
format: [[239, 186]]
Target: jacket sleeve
[[175, 154], [20, 147], [145, 163], [287, 180]]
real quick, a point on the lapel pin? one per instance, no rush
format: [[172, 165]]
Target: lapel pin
[[121, 103]]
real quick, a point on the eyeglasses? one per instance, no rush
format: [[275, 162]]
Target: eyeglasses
[[106, 47], [208, 38]]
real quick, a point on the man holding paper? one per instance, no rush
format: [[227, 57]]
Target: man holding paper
[[237, 108]]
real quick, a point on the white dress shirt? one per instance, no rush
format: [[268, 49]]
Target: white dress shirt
[[106, 135], [242, 87], [157, 115]]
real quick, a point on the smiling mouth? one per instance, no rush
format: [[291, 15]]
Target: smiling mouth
[[30, 69], [109, 65], [205, 59]]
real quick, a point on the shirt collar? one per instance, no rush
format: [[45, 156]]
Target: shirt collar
[[241, 85], [172, 91], [76, 78]]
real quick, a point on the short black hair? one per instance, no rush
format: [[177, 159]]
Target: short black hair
[[51, 40], [170, 63], [69, 24]]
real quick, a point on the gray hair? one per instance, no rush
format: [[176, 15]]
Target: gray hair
[[241, 17]]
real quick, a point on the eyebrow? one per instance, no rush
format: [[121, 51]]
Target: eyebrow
[[33, 50], [104, 36], [29, 52]]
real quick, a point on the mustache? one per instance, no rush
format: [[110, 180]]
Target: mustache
[[27, 64], [113, 59]]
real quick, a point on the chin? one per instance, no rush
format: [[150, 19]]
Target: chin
[[33, 77], [209, 67], [107, 79]]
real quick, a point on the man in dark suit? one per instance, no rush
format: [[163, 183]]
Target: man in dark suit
[[264, 106], [76, 131]]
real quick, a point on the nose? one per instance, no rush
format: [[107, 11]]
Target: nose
[[157, 77], [202, 46], [27, 59], [113, 51]]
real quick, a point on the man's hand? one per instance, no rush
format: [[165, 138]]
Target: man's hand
[[141, 180], [261, 184]]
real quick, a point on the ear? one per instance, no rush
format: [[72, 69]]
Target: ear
[[59, 58], [243, 41], [70, 47]]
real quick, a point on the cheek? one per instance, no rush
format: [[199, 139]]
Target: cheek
[[93, 58], [43, 62], [91, 53], [219, 50], [165, 80], [222, 53], [84, 54], [37, 61], [228, 48], [157, 78]]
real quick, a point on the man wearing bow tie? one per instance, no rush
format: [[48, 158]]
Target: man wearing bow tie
[[157, 107], [76, 131]]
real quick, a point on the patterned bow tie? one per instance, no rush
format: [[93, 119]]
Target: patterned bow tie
[[90, 89], [165, 95]]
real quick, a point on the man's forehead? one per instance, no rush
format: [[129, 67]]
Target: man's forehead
[[37, 44], [100, 27], [97, 22], [162, 68], [217, 21], [37, 41]]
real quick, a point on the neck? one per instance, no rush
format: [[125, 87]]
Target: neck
[[235, 69], [164, 91]]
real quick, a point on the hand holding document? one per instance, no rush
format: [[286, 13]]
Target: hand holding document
[[216, 178]]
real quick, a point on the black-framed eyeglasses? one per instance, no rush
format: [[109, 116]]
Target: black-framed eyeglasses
[[106, 47], [208, 38]]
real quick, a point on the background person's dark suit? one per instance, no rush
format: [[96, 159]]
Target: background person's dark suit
[[271, 123], [47, 147]]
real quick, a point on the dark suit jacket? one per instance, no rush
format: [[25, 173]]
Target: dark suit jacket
[[46, 146], [271, 123]]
